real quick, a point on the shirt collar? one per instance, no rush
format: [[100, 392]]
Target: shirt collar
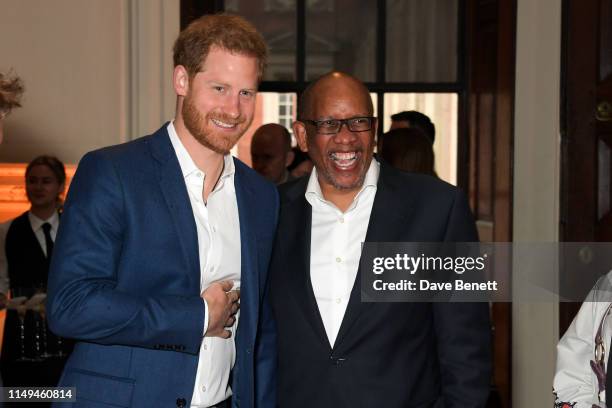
[[37, 223], [188, 166], [313, 190]]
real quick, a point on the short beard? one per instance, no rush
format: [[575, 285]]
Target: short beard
[[196, 123], [357, 184], [367, 152]]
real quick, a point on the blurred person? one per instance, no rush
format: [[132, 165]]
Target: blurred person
[[26, 246], [301, 165], [11, 90], [408, 149], [333, 349], [160, 266], [584, 353], [271, 152], [410, 119]]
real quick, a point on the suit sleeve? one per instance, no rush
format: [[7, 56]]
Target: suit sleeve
[[84, 302], [266, 352], [463, 330]]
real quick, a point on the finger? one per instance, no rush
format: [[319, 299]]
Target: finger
[[230, 321], [227, 285], [235, 307], [226, 334], [233, 296]]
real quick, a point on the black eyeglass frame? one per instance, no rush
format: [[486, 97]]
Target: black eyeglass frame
[[340, 122]]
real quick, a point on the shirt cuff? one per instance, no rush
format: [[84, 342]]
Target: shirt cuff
[[205, 317]]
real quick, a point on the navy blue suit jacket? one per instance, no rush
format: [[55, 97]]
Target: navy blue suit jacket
[[125, 281]]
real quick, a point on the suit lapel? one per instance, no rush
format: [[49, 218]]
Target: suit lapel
[[298, 218], [249, 278], [386, 225], [172, 185]]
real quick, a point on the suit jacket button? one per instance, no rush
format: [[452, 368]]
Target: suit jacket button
[[181, 402]]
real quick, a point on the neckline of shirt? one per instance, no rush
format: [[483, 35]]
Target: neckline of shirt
[[37, 223], [313, 189], [186, 163]]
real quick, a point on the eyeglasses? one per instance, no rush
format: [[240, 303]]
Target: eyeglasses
[[333, 126]]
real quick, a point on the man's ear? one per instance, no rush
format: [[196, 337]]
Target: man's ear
[[289, 158], [180, 80], [299, 130]]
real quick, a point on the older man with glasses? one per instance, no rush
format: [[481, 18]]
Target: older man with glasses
[[334, 350]]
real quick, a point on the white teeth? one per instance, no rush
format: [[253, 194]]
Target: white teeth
[[223, 124], [344, 160], [344, 155]]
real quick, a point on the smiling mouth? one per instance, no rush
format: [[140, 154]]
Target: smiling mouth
[[344, 160], [224, 125]]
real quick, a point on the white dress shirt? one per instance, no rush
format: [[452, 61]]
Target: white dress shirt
[[36, 224], [218, 229], [335, 247]]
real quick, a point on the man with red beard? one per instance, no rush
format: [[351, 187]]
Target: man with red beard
[[334, 350], [165, 238]]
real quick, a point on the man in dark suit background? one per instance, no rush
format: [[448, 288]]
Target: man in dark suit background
[[334, 350], [156, 238]]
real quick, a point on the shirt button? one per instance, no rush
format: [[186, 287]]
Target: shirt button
[[205, 347], [338, 260], [214, 229], [338, 300], [203, 388], [199, 174], [341, 220]]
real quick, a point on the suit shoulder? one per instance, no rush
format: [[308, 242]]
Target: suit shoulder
[[120, 151], [293, 189], [250, 175], [425, 186]]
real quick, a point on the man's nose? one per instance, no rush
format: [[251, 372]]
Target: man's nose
[[344, 135], [232, 106]]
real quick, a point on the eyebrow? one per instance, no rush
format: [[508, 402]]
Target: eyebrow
[[216, 83], [350, 117]]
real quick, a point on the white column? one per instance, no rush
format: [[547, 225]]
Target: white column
[[535, 328]]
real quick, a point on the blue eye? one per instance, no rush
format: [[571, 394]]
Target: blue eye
[[247, 93]]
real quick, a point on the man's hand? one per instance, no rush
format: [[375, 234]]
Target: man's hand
[[223, 303]]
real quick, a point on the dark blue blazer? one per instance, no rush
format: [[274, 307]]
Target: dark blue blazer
[[125, 281]]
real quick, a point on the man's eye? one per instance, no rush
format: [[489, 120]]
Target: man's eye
[[328, 123], [247, 93], [218, 88]]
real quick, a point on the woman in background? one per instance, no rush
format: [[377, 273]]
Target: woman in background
[[408, 149], [26, 246]]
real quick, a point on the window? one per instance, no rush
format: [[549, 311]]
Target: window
[[286, 113], [408, 52]]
